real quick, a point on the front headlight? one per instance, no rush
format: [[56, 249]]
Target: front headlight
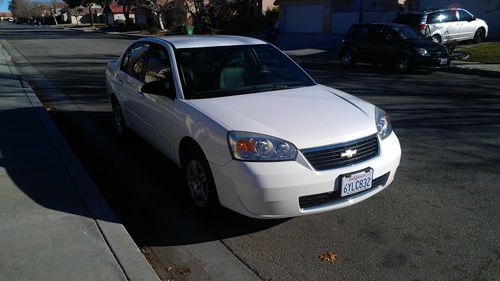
[[248, 146], [383, 123], [423, 52]]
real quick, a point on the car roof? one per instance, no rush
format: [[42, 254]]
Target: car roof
[[430, 10], [389, 24], [199, 41]]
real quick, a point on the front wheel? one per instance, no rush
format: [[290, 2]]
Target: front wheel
[[347, 58], [200, 182], [479, 36]]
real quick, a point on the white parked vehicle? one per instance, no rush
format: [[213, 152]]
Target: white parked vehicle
[[444, 25], [250, 129]]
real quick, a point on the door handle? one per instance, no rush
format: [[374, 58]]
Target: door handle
[[141, 94]]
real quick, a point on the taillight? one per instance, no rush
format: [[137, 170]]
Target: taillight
[[423, 26]]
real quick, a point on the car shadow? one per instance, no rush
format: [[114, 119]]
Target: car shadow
[[146, 189]]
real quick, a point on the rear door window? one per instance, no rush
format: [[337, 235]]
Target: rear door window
[[134, 59]]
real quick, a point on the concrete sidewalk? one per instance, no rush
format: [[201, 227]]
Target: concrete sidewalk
[[54, 224]]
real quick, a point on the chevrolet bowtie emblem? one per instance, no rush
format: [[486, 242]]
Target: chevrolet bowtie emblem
[[348, 153]]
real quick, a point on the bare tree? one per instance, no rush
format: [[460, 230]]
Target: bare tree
[[156, 7], [53, 10]]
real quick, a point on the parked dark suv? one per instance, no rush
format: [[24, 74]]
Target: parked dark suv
[[392, 44]]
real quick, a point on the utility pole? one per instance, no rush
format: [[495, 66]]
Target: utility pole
[[360, 19]]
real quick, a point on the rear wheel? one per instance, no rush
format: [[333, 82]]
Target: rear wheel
[[346, 58], [479, 36], [403, 64], [119, 120], [436, 38]]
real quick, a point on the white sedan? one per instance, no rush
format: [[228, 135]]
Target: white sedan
[[250, 129]]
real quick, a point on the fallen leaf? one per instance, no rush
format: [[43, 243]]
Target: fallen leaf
[[329, 257]]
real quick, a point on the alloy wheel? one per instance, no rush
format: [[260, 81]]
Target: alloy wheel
[[119, 120], [436, 38], [479, 37], [197, 183]]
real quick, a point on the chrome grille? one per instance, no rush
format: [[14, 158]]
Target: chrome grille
[[329, 157]]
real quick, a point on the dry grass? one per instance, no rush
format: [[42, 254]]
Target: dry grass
[[485, 53]]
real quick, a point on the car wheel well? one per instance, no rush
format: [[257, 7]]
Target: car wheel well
[[439, 38], [187, 146]]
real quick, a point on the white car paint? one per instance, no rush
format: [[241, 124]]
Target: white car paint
[[460, 30], [308, 117]]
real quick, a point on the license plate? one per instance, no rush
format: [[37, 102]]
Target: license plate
[[443, 61], [357, 182]]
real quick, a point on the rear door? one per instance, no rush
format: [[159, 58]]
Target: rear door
[[453, 24], [131, 77], [157, 110], [444, 23], [360, 41]]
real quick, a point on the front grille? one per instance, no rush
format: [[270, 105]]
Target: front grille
[[317, 200], [329, 157]]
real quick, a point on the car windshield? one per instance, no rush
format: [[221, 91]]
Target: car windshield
[[235, 70], [405, 32]]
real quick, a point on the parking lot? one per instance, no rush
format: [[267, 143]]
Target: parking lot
[[437, 221]]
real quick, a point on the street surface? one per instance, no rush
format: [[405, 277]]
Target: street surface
[[439, 220]]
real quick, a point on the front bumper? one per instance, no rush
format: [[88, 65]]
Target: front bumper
[[432, 62], [273, 189]]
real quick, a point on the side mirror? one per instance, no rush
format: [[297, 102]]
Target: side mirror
[[472, 19], [158, 88]]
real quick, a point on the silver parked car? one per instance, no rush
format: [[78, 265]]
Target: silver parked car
[[445, 25]]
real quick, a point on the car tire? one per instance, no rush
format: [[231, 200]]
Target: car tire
[[119, 120], [437, 38], [479, 35], [346, 58], [403, 64], [200, 182]]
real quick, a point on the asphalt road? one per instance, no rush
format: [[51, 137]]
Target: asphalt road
[[439, 220]]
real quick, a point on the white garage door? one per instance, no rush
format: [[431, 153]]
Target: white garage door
[[304, 18]]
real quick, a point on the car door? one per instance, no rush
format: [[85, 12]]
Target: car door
[[467, 25], [443, 23], [156, 106], [131, 80], [360, 41], [383, 44], [452, 24]]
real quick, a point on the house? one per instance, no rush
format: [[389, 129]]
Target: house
[[80, 15], [114, 12], [5, 16], [323, 23], [488, 11]]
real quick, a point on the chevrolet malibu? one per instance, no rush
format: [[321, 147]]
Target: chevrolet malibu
[[250, 129]]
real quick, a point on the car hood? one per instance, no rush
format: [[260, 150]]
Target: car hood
[[307, 116], [425, 43]]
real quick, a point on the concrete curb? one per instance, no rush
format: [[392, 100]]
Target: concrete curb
[[126, 252], [471, 71]]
